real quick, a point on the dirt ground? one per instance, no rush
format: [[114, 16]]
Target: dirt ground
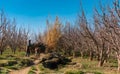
[[25, 70]]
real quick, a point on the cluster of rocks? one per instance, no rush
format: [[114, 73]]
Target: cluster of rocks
[[53, 60]]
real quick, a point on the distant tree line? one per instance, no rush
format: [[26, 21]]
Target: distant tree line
[[11, 36]]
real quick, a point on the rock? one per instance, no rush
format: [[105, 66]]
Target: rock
[[54, 60]]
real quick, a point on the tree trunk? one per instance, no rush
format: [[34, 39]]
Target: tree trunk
[[73, 54], [98, 57], [81, 53], [91, 55], [101, 62], [118, 58], [1, 52], [14, 50], [102, 59]]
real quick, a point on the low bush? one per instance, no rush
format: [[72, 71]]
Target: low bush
[[12, 67], [11, 62], [4, 71], [2, 64], [26, 62], [31, 72], [74, 72], [41, 68], [97, 73], [33, 68]]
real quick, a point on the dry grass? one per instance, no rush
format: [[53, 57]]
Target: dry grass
[[82, 65]]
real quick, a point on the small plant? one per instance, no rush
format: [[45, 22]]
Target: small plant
[[31, 72], [33, 68], [12, 67], [74, 72], [97, 73], [26, 62], [41, 68], [12, 62], [3, 71]]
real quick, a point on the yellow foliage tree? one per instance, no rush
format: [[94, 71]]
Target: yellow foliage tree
[[53, 34]]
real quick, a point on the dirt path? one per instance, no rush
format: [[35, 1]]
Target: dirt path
[[38, 71], [24, 70]]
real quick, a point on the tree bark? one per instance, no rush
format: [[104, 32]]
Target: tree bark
[[81, 53], [1, 52], [98, 57], [101, 63], [73, 54], [14, 51], [102, 59], [91, 55], [118, 58]]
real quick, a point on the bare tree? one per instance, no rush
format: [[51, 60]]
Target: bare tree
[[11, 36], [22, 38], [3, 31]]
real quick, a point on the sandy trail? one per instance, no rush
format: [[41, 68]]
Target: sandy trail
[[38, 71], [24, 70]]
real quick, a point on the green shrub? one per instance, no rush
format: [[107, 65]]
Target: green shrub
[[4, 71], [97, 73], [31, 72], [33, 68], [41, 68], [12, 67], [11, 62], [21, 54], [74, 72], [2, 57], [26, 62], [85, 66], [8, 63], [2, 64]]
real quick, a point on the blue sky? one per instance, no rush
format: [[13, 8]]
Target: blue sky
[[33, 13]]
